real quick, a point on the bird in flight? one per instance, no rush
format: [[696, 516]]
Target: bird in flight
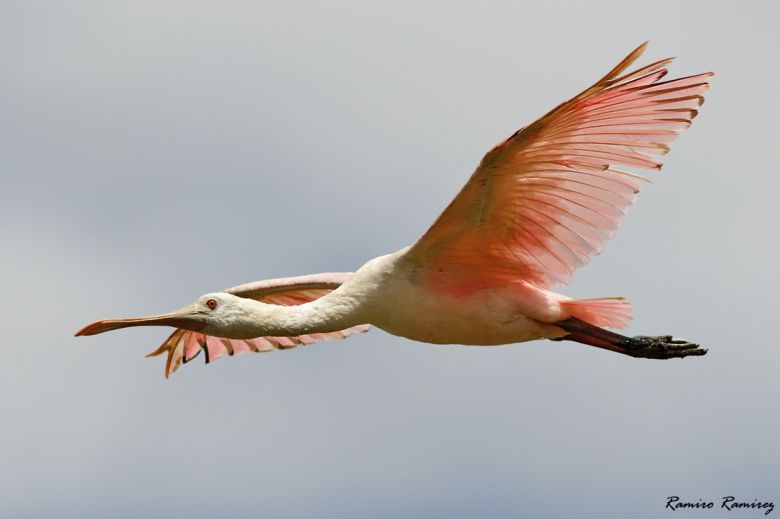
[[538, 206]]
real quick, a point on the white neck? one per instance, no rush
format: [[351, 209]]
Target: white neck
[[254, 319]]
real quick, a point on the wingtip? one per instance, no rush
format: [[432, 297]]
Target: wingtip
[[639, 50], [625, 63]]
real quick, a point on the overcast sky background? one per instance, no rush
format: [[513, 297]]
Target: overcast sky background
[[154, 151]]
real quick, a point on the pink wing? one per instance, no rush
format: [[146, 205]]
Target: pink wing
[[544, 201], [184, 345]]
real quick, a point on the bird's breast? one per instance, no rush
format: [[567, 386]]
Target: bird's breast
[[391, 297], [482, 319], [395, 303]]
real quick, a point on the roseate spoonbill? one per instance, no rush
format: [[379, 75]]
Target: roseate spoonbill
[[539, 205]]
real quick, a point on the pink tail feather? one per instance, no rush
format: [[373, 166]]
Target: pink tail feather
[[614, 312]]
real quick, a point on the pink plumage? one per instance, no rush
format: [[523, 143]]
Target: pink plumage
[[540, 204], [614, 312], [544, 201]]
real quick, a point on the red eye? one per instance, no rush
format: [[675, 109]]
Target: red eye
[[211, 303]]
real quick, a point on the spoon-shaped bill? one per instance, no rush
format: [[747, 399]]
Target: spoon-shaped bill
[[187, 317]]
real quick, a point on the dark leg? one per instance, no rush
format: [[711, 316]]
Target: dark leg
[[646, 347]]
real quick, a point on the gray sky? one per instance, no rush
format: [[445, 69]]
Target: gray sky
[[155, 151]]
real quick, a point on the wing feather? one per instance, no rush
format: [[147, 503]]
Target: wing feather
[[545, 200]]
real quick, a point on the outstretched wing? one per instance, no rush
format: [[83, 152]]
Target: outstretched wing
[[544, 201], [184, 345]]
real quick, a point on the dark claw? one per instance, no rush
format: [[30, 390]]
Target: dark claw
[[660, 347], [641, 346]]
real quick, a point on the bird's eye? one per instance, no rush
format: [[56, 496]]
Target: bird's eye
[[211, 303]]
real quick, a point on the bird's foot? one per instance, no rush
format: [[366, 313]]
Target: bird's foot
[[659, 347]]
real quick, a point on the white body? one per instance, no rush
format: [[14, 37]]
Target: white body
[[391, 299], [385, 292]]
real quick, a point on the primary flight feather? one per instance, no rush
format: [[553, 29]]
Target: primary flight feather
[[539, 205]]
